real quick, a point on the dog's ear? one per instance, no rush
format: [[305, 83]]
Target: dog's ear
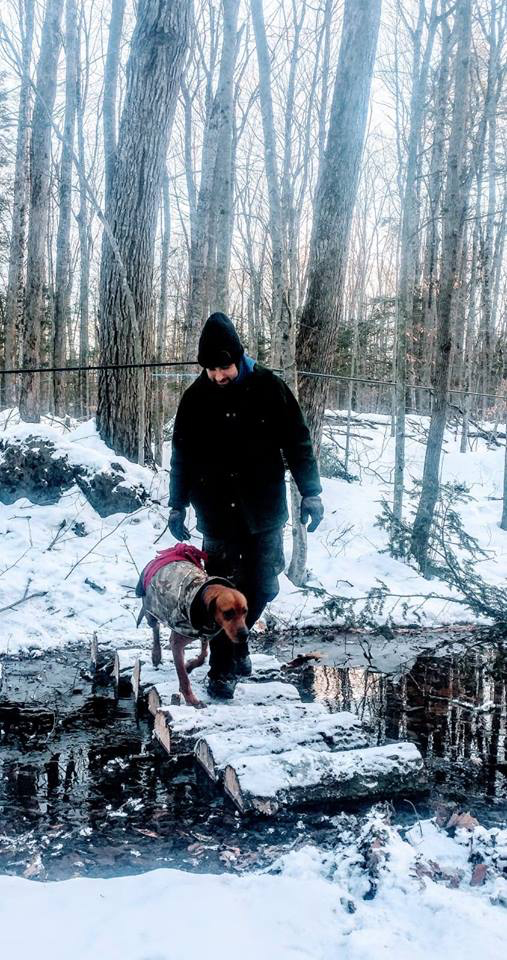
[[212, 608]]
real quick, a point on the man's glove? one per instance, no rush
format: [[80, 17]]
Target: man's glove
[[176, 524], [311, 507]]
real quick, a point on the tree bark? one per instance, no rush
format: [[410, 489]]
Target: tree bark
[[15, 281], [62, 272], [334, 206], [109, 123], [281, 332], [125, 302], [203, 244], [40, 159], [453, 213], [84, 244], [409, 240]]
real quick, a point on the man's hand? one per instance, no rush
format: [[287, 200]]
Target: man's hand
[[310, 507], [176, 524]]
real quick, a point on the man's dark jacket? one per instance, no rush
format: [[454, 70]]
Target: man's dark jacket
[[227, 453]]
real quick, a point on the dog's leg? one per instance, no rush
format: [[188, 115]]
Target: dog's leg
[[178, 644], [156, 649], [200, 659]]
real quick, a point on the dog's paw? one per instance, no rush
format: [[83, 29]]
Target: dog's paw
[[192, 701]]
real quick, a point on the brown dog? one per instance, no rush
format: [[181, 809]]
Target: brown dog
[[228, 609]]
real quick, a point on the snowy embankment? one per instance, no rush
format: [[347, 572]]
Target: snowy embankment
[[83, 568], [379, 894]]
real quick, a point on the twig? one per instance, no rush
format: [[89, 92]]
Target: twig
[[11, 565], [106, 535], [26, 596]]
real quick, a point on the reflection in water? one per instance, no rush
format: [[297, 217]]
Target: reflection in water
[[454, 707]]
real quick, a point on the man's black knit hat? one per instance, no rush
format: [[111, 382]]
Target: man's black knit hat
[[219, 344]]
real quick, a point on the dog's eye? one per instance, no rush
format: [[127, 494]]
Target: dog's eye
[[228, 614]]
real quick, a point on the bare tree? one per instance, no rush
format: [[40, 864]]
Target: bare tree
[[62, 271], [215, 167], [126, 326], [454, 208], [40, 158], [109, 110], [281, 335], [334, 205], [17, 246], [409, 235]]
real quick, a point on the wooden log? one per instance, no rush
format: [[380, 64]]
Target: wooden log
[[136, 679], [161, 730], [264, 784], [320, 732], [94, 653], [188, 725], [124, 661]]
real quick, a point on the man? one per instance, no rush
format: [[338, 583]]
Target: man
[[232, 427]]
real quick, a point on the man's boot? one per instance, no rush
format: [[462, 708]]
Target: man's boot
[[221, 676], [242, 661]]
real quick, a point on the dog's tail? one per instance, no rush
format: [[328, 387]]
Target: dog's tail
[[142, 614]]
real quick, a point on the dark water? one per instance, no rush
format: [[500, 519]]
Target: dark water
[[453, 707], [85, 791]]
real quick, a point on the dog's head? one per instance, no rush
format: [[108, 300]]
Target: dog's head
[[228, 608]]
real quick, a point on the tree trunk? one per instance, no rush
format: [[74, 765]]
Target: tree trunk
[[62, 272], [109, 123], [161, 336], [224, 163], [453, 213], [40, 159], [84, 247], [503, 522], [15, 281], [409, 241], [334, 206], [125, 317], [203, 245], [281, 333]]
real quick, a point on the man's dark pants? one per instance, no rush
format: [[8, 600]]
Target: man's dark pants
[[252, 562]]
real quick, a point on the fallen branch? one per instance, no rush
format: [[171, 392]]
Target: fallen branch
[[26, 596], [106, 535]]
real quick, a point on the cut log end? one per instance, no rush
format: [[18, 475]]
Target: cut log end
[[204, 756], [136, 679], [94, 652], [154, 701], [161, 730], [233, 789]]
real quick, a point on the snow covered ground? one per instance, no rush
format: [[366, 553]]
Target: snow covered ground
[[382, 894], [377, 895], [88, 580]]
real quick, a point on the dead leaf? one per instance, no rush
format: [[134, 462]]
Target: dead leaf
[[147, 833], [479, 874], [462, 821], [35, 868]]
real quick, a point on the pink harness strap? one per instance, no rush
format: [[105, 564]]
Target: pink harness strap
[[182, 551]]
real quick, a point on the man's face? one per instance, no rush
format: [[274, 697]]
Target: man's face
[[222, 376]]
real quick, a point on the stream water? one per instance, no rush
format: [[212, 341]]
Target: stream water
[[85, 791]]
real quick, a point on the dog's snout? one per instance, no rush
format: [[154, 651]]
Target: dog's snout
[[243, 633]]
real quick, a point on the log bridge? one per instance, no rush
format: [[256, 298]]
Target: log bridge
[[266, 748]]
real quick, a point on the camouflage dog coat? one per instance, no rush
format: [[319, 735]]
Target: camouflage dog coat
[[172, 597]]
